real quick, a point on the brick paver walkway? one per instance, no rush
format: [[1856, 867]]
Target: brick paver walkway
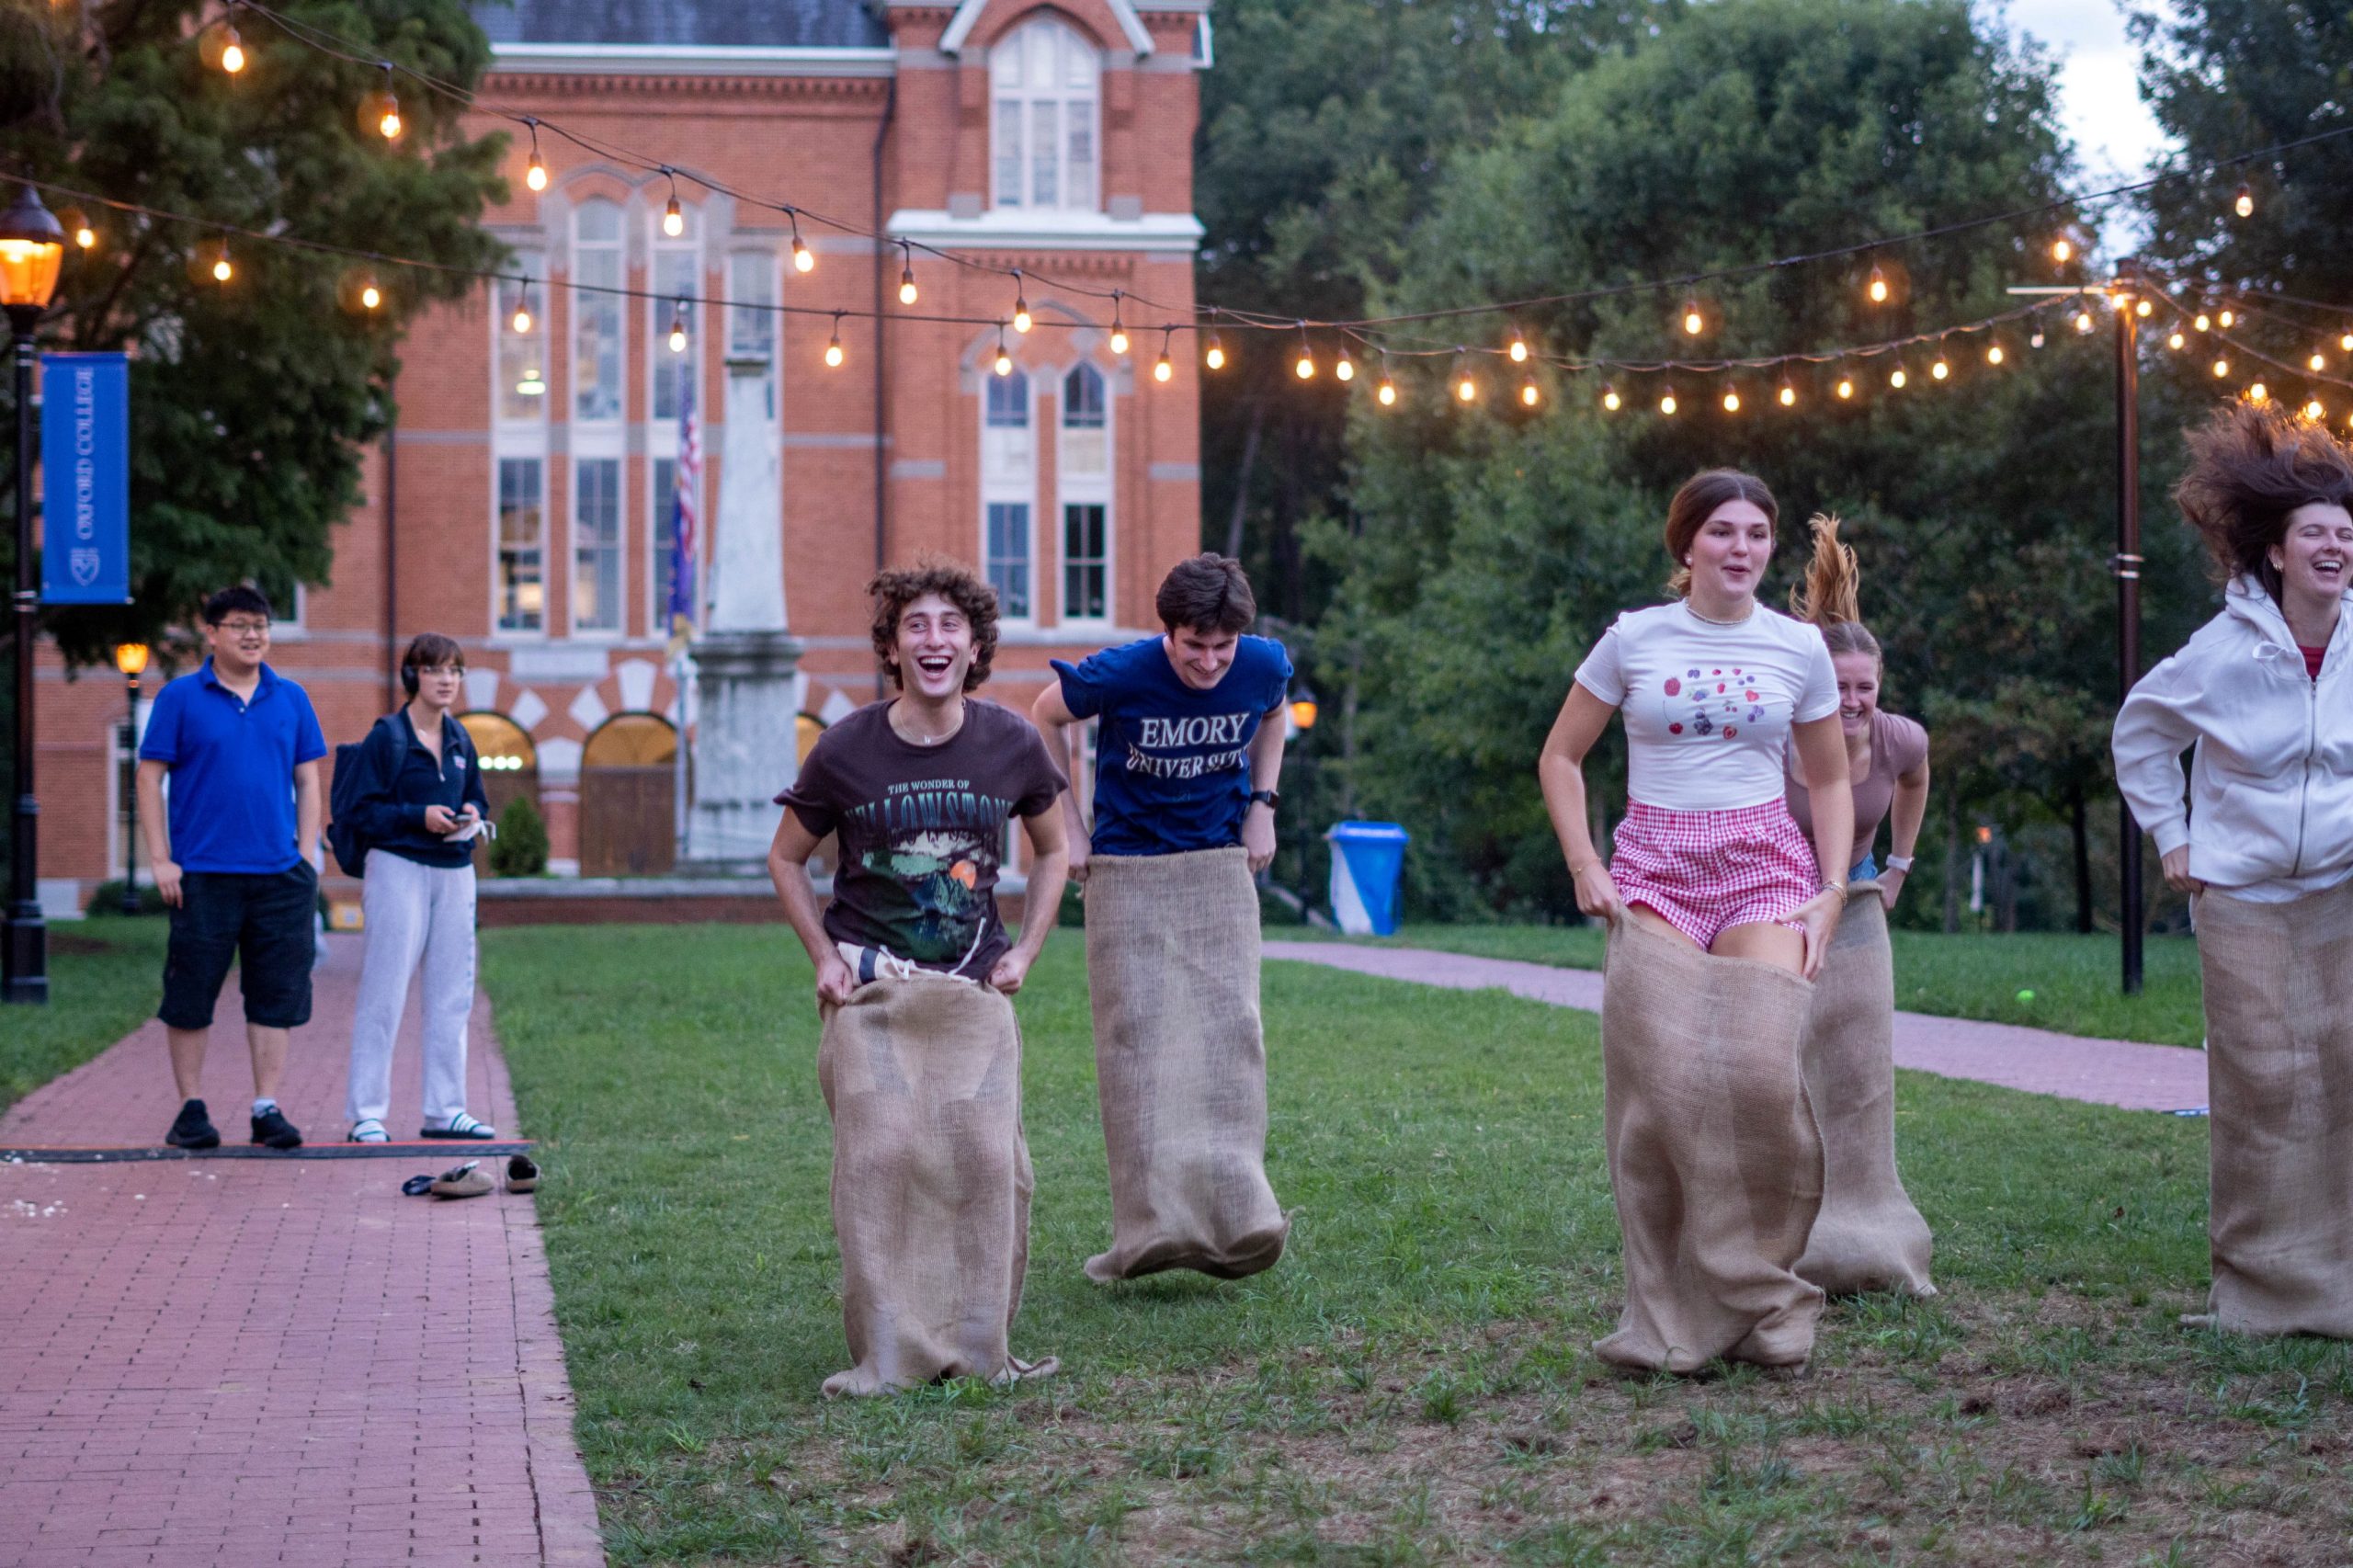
[[2102, 1072], [261, 1361]]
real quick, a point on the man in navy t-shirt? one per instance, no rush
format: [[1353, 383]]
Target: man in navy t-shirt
[[1189, 741], [241, 745], [1189, 746]]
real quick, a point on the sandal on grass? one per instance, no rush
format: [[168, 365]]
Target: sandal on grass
[[469, 1180], [462, 1126]]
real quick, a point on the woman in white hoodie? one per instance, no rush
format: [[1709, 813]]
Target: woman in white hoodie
[[2265, 849]]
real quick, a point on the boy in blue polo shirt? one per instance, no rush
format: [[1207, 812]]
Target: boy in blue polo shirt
[[242, 747], [1188, 748]]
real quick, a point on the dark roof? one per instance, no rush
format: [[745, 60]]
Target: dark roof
[[788, 24]]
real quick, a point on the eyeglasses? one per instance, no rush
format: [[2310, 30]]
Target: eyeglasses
[[245, 628], [424, 670]]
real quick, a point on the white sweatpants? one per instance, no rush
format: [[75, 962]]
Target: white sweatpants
[[414, 912]]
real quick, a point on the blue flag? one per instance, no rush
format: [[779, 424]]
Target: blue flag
[[85, 479]]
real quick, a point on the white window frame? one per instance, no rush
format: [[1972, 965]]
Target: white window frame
[[1034, 74], [583, 302], [1008, 483], [1076, 489], [520, 439], [620, 628]]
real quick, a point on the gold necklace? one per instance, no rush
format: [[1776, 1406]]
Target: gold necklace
[[1711, 620]]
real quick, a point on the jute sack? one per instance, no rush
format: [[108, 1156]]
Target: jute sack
[[931, 1182], [2279, 985], [1180, 1065], [1713, 1154], [1867, 1236]]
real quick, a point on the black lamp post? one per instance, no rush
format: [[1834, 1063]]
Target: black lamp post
[[32, 244], [130, 658], [1303, 709]]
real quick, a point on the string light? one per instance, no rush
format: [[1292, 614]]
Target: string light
[[2257, 392], [1529, 393], [2036, 341], [2229, 319], [1304, 367], [834, 355], [1610, 398], [1022, 320], [1732, 400], [1693, 321], [2315, 411], [2062, 250], [1787, 394], [1518, 347], [678, 327], [2083, 322], [1214, 354], [1898, 377], [1845, 388], [370, 295], [1941, 371], [907, 291], [1995, 354], [380, 110], [2221, 369], [1877, 287], [2346, 343], [2318, 361], [77, 223], [1119, 333], [801, 260], [1386, 394], [2204, 321], [535, 171], [1003, 363], [673, 218], [522, 322], [1466, 388], [222, 271], [1666, 403], [232, 49], [2244, 205], [2175, 339], [2143, 308], [1345, 369], [1165, 369]]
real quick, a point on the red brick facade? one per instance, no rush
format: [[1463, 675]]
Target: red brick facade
[[822, 129]]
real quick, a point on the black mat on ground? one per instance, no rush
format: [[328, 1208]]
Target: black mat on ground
[[458, 1149]]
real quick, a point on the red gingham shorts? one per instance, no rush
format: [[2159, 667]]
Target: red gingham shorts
[[1701, 872]]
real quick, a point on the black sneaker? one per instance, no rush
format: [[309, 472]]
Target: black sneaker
[[192, 1128], [271, 1128]]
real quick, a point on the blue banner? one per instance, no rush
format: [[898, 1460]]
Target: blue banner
[[85, 479]]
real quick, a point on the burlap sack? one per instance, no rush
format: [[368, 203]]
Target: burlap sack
[[2279, 985], [1867, 1236], [931, 1182], [1713, 1154], [1180, 1065]]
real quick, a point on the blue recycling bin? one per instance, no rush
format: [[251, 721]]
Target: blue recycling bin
[[1367, 863]]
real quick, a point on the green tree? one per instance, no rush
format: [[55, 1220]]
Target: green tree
[[1490, 546], [250, 401]]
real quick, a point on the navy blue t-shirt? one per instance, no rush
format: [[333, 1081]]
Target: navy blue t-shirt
[[232, 765], [1172, 765]]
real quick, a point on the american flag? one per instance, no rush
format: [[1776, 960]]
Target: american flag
[[682, 518]]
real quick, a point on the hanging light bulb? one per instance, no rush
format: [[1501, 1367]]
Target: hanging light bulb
[[803, 261], [380, 110], [1732, 400], [2036, 341], [1214, 354], [1610, 398], [2083, 322], [678, 328], [2257, 392], [232, 49], [1022, 321], [907, 293], [1666, 403], [2062, 250], [1877, 288], [2175, 340], [1693, 321], [370, 295], [1845, 388], [2228, 319], [2346, 343], [222, 271], [2244, 205], [2221, 369], [1787, 394], [1529, 393], [522, 321], [2204, 321], [1165, 369], [1994, 354], [1003, 363], [1344, 368], [1518, 347], [1305, 366], [535, 170], [2318, 361], [1941, 371], [834, 355], [1465, 388], [2315, 411], [2143, 308], [674, 217], [1898, 377], [77, 223], [1118, 332], [1387, 392]]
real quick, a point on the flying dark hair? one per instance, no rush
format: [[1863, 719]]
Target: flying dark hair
[[894, 590], [1206, 593], [2250, 465], [244, 597], [1697, 501]]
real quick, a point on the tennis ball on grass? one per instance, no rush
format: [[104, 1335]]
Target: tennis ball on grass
[[2026, 994]]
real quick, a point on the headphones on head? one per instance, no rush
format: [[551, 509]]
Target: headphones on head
[[408, 677]]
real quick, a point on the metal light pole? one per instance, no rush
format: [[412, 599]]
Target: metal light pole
[[130, 658], [32, 244], [2122, 290], [1303, 711]]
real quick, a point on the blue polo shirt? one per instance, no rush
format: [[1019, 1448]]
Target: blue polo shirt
[[232, 766]]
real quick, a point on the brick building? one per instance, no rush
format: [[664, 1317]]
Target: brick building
[[521, 504]]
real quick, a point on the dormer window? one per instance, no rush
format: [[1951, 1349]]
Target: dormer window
[[1045, 82]]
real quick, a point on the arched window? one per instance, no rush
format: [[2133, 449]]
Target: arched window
[[1082, 472], [1044, 83], [1008, 492], [598, 403]]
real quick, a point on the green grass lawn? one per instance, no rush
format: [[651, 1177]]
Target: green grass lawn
[[2073, 980], [105, 977], [1413, 1381]]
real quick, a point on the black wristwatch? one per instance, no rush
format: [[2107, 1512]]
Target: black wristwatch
[[1273, 799]]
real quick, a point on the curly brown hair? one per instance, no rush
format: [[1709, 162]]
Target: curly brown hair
[[2251, 465], [894, 590]]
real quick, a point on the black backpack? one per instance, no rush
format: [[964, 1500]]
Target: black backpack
[[344, 837]]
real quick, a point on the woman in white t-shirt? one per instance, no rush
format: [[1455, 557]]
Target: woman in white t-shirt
[[1714, 687]]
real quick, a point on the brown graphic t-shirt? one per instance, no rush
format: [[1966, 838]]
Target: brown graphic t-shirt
[[923, 830]]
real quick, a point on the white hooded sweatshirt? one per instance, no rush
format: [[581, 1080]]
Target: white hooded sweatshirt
[[2271, 789]]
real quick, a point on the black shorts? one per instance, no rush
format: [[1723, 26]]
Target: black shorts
[[262, 920]]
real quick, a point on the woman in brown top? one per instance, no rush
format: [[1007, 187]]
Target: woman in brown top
[[1888, 753]]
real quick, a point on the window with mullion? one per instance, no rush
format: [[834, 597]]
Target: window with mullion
[[1044, 82], [596, 545]]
